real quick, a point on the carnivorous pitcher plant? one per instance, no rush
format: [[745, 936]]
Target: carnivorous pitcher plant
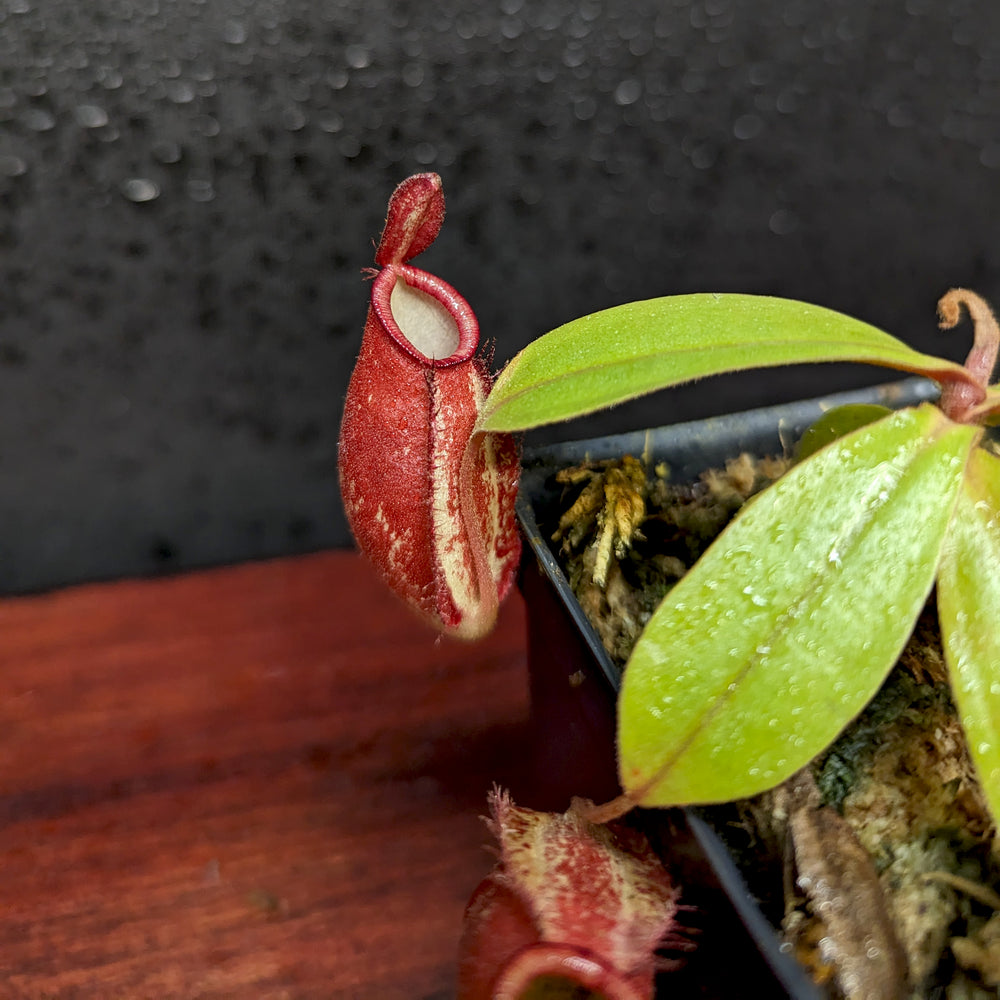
[[789, 623]]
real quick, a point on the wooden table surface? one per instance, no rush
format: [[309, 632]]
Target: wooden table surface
[[255, 782]]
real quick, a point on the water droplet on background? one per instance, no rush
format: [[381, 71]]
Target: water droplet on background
[[357, 57], [293, 118], [90, 116], [425, 154], [12, 166], [110, 78], [140, 189], [747, 126], [166, 152], [413, 74], [200, 188], [628, 92], [234, 32], [331, 122], [349, 146], [180, 91], [38, 120], [338, 78], [989, 155]]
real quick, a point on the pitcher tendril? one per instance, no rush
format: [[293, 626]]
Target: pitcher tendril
[[958, 399]]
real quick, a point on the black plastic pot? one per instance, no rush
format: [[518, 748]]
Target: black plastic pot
[[574, 686]]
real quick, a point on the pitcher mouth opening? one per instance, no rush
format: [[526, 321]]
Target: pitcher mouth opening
[[563, 971], [426, 317]]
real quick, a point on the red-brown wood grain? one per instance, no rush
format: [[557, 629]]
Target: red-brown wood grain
[[256, 782]]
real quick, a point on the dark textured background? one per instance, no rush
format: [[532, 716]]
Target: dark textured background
[[189, 191]]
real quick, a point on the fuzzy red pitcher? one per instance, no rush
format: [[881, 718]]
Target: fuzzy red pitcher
[[430, 503]]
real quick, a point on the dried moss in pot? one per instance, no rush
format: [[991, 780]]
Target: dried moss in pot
[[620, 585], [884, 845]]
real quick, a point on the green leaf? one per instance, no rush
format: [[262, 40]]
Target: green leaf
[[788, 624], [836, 423], [611, 356], [969, 611]]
